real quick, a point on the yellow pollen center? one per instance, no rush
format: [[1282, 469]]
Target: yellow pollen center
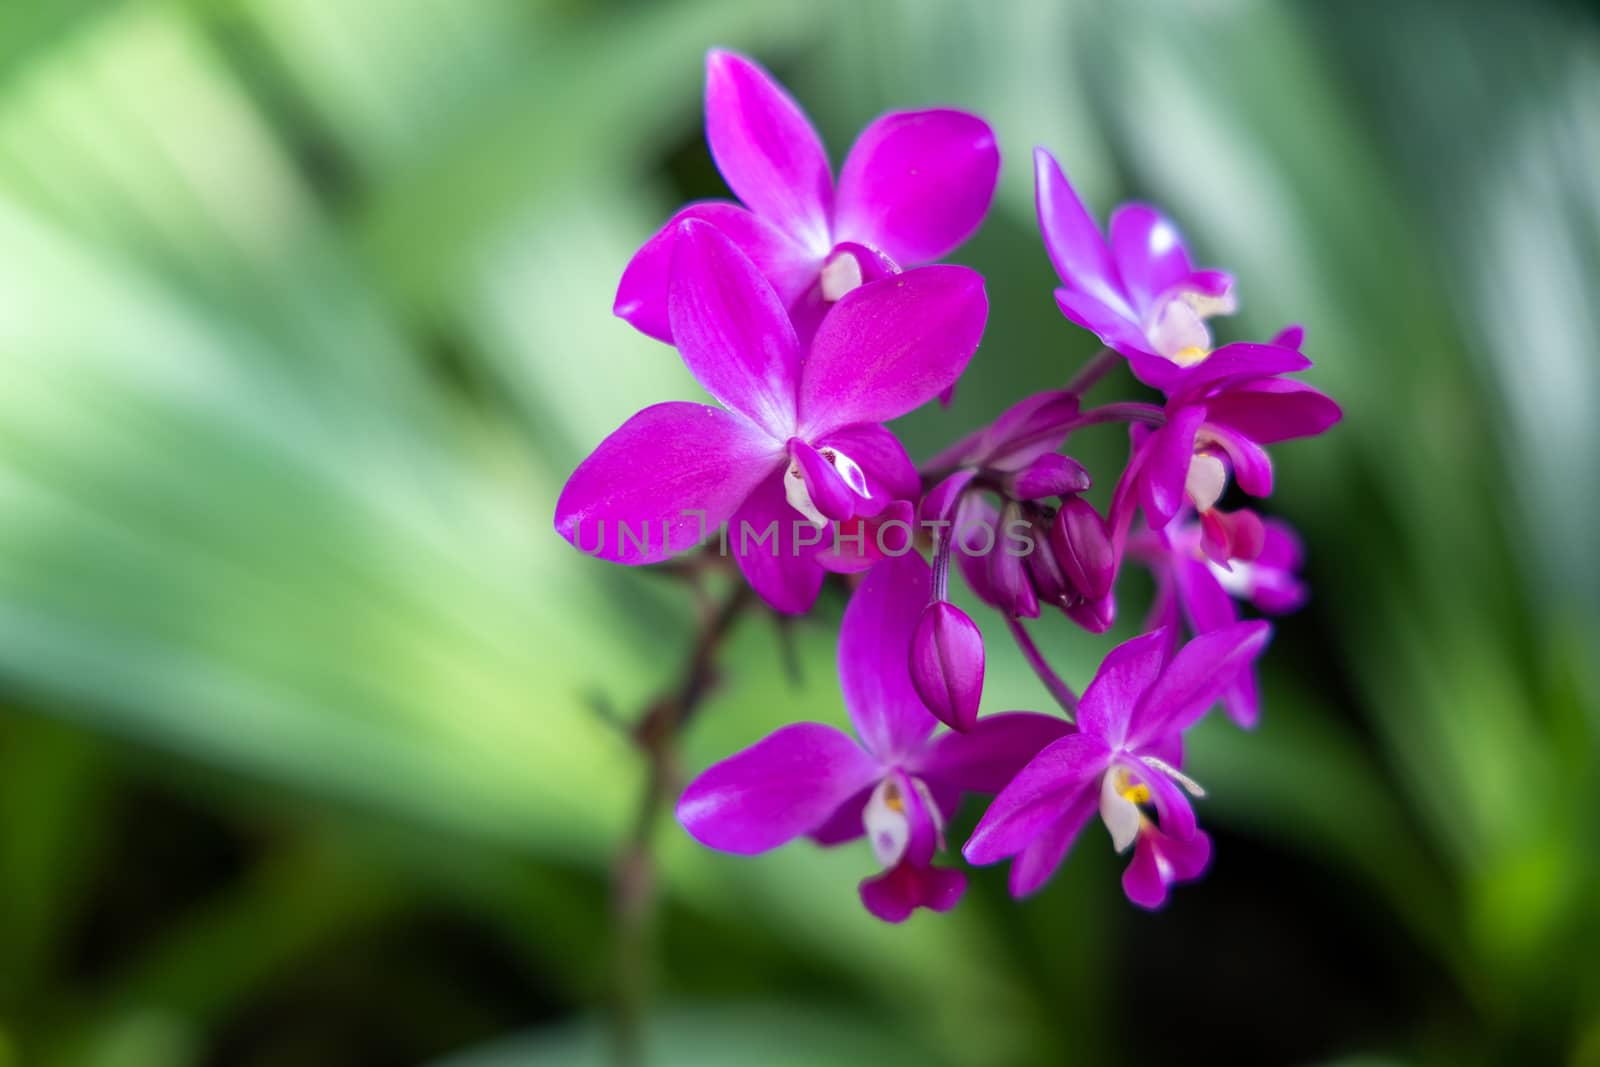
[[1137, 794], [1190, 355], [893, 800]]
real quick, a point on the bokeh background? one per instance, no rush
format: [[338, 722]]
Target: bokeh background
[[307, 751]]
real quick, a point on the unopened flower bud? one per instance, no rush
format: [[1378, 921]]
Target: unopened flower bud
[[1009, 582], [947, 664], [1049, 475], [1083, 547], [1096, 616], [1050, 582]]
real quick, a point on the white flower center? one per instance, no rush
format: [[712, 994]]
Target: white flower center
[[887, 817], [1208, 477], [1122, 792], [840, 275], [1176, 328]]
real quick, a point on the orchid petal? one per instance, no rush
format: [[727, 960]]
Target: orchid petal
[[1273, 410], [891, 346], [1273, 585], [1166, 470], [874, 657], [1233, 364], [819, 482], [1291, 337], [987, 757], [1033, 801], [917, 183], [787, 784], [1206, 604], [661, 481], [776, 548], [1075, 245], [1252, 467], [732, 329], [1198, 676], [1034, 865], [1243, 701], [845, 824], [1159, 862], [940, 502], [859, 544], [1111, 322], [767, 150], [895, 894], [890, 473], [1172, 803], [642, 293], [1148, 251], [1127, 672]]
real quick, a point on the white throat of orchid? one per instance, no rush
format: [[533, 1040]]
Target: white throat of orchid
[[1238, 578], [1176, 324], [1124, 791], [887, 818], [840, 275], [1208, 477], [799, 491]]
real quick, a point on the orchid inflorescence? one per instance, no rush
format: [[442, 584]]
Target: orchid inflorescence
[[804, 314]]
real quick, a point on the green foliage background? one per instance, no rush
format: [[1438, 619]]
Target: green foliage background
[[304, 318]]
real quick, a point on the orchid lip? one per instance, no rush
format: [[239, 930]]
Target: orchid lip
[[888, 813], [823, 484], [840, 275], [1207, 478], [1122, 796]]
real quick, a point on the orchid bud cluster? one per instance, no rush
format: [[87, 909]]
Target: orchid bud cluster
[[807, 311]]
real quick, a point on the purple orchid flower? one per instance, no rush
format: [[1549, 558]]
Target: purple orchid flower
[[897, 784], [1227, 408], [1195, 589], [1123, 757], [1138, 291], [799, 442], [915, 185]]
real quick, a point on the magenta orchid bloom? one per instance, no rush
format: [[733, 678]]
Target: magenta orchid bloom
[[897, 784], [1123, 757], [915, 185], [1194, 589], [798, 442], [1138, 291], [1228, 408]]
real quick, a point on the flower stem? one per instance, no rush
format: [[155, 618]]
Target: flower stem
[[1092, 371], [942, 540], [1126, 411], [1052, 681], [634, 878]]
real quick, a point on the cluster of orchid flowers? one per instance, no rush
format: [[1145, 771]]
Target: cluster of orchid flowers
[[802, 310]]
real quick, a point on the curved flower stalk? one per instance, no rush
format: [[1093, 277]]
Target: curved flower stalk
[[915, 185], [799, 441], [1122, 761], [895, 782]]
